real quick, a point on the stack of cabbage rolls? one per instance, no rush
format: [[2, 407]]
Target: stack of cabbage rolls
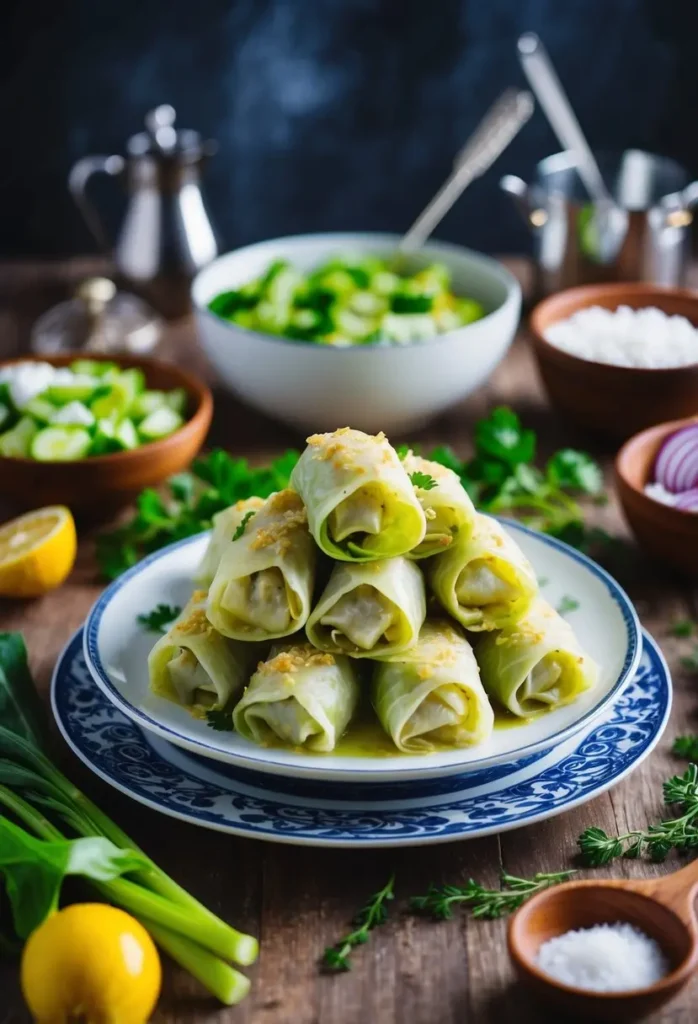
[[371, 583]]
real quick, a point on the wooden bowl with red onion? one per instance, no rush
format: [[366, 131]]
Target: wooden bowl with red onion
[[616, 358], [657, 483]]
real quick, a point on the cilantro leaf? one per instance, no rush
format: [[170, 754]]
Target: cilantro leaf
[[159, 618], [501, 436], [423, 481], [243, 523], [574, 470], [220, 720]]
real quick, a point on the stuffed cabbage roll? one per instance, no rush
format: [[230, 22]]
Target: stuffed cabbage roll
[[264, 582], [225, 525], [449, 512], [361, 503], [369, 610], [194, 665], [301, 697], [535, 664], [484, 580], [431, 696]]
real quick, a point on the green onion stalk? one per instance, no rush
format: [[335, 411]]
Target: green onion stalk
[[190, 933]]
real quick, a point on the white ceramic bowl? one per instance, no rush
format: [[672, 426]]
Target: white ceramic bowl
[[372, 388]]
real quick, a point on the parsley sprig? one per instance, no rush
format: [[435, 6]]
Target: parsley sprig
[[214, 483], [679, 833], [424, 481], [159, 619], [374, 913], [439, 900], [503, 478]]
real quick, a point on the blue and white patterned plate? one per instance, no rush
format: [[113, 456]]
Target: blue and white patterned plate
[[116, 650], [292, 810]]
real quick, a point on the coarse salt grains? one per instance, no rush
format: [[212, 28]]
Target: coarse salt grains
[[647, 338], [605, 958]]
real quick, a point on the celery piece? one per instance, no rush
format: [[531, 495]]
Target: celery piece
[[16, 443]]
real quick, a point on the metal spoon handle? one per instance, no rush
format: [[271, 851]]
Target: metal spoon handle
[[548, 90], [492, 136]]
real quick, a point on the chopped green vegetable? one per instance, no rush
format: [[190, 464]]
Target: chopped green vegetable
[[487, 903], [349, 301], [424, 481], [243, 523], [93, 397], [16, 443], [157, 620], [160, 423], [680, 833], [373, 914], [686, 746], [61, 444]]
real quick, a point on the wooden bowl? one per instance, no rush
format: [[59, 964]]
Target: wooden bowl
[[102, 484], [614, 400], [665, 533], [585, 904]]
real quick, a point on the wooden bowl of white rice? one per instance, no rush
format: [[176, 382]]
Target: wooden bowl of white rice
[[616, 358]]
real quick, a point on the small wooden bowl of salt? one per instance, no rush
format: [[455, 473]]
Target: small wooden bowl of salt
[[611, 950], [616, 358]]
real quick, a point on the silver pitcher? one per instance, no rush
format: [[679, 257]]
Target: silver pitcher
[[166, 234], [654, 244]]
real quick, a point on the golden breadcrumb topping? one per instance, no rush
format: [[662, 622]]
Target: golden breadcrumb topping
[[295, 659]]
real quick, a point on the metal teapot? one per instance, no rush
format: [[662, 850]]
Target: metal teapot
[[655, 242], [166, 235]]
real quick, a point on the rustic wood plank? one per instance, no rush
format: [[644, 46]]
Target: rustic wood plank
[[299, 900]]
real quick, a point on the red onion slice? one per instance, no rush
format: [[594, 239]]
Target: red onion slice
[[676, 467], [688, 501]]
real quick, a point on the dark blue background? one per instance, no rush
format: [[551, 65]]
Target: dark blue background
[[330, 114]]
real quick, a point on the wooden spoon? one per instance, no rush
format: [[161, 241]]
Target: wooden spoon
[[662, 908]]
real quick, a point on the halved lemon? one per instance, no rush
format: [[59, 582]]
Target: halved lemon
[[37, 551]]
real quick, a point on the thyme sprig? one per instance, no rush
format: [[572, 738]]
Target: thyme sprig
[[371, 915], [439, 900]]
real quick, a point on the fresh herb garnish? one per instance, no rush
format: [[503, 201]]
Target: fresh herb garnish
[[686, 746], [374, 913], [679, 833], [220, 720], [422, 480], [243, 523], [681, 628], [159, 618], [502, 478], [215, 482], [690, 661], [488, 903], [567, 604]]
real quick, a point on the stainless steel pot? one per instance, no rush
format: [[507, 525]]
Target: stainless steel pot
[[655, 244]]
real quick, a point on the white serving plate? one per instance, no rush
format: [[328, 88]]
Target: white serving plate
[[256, 805], [373, 387], [116, 649]]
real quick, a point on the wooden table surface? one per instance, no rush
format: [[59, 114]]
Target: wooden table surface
[[299, 900]]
